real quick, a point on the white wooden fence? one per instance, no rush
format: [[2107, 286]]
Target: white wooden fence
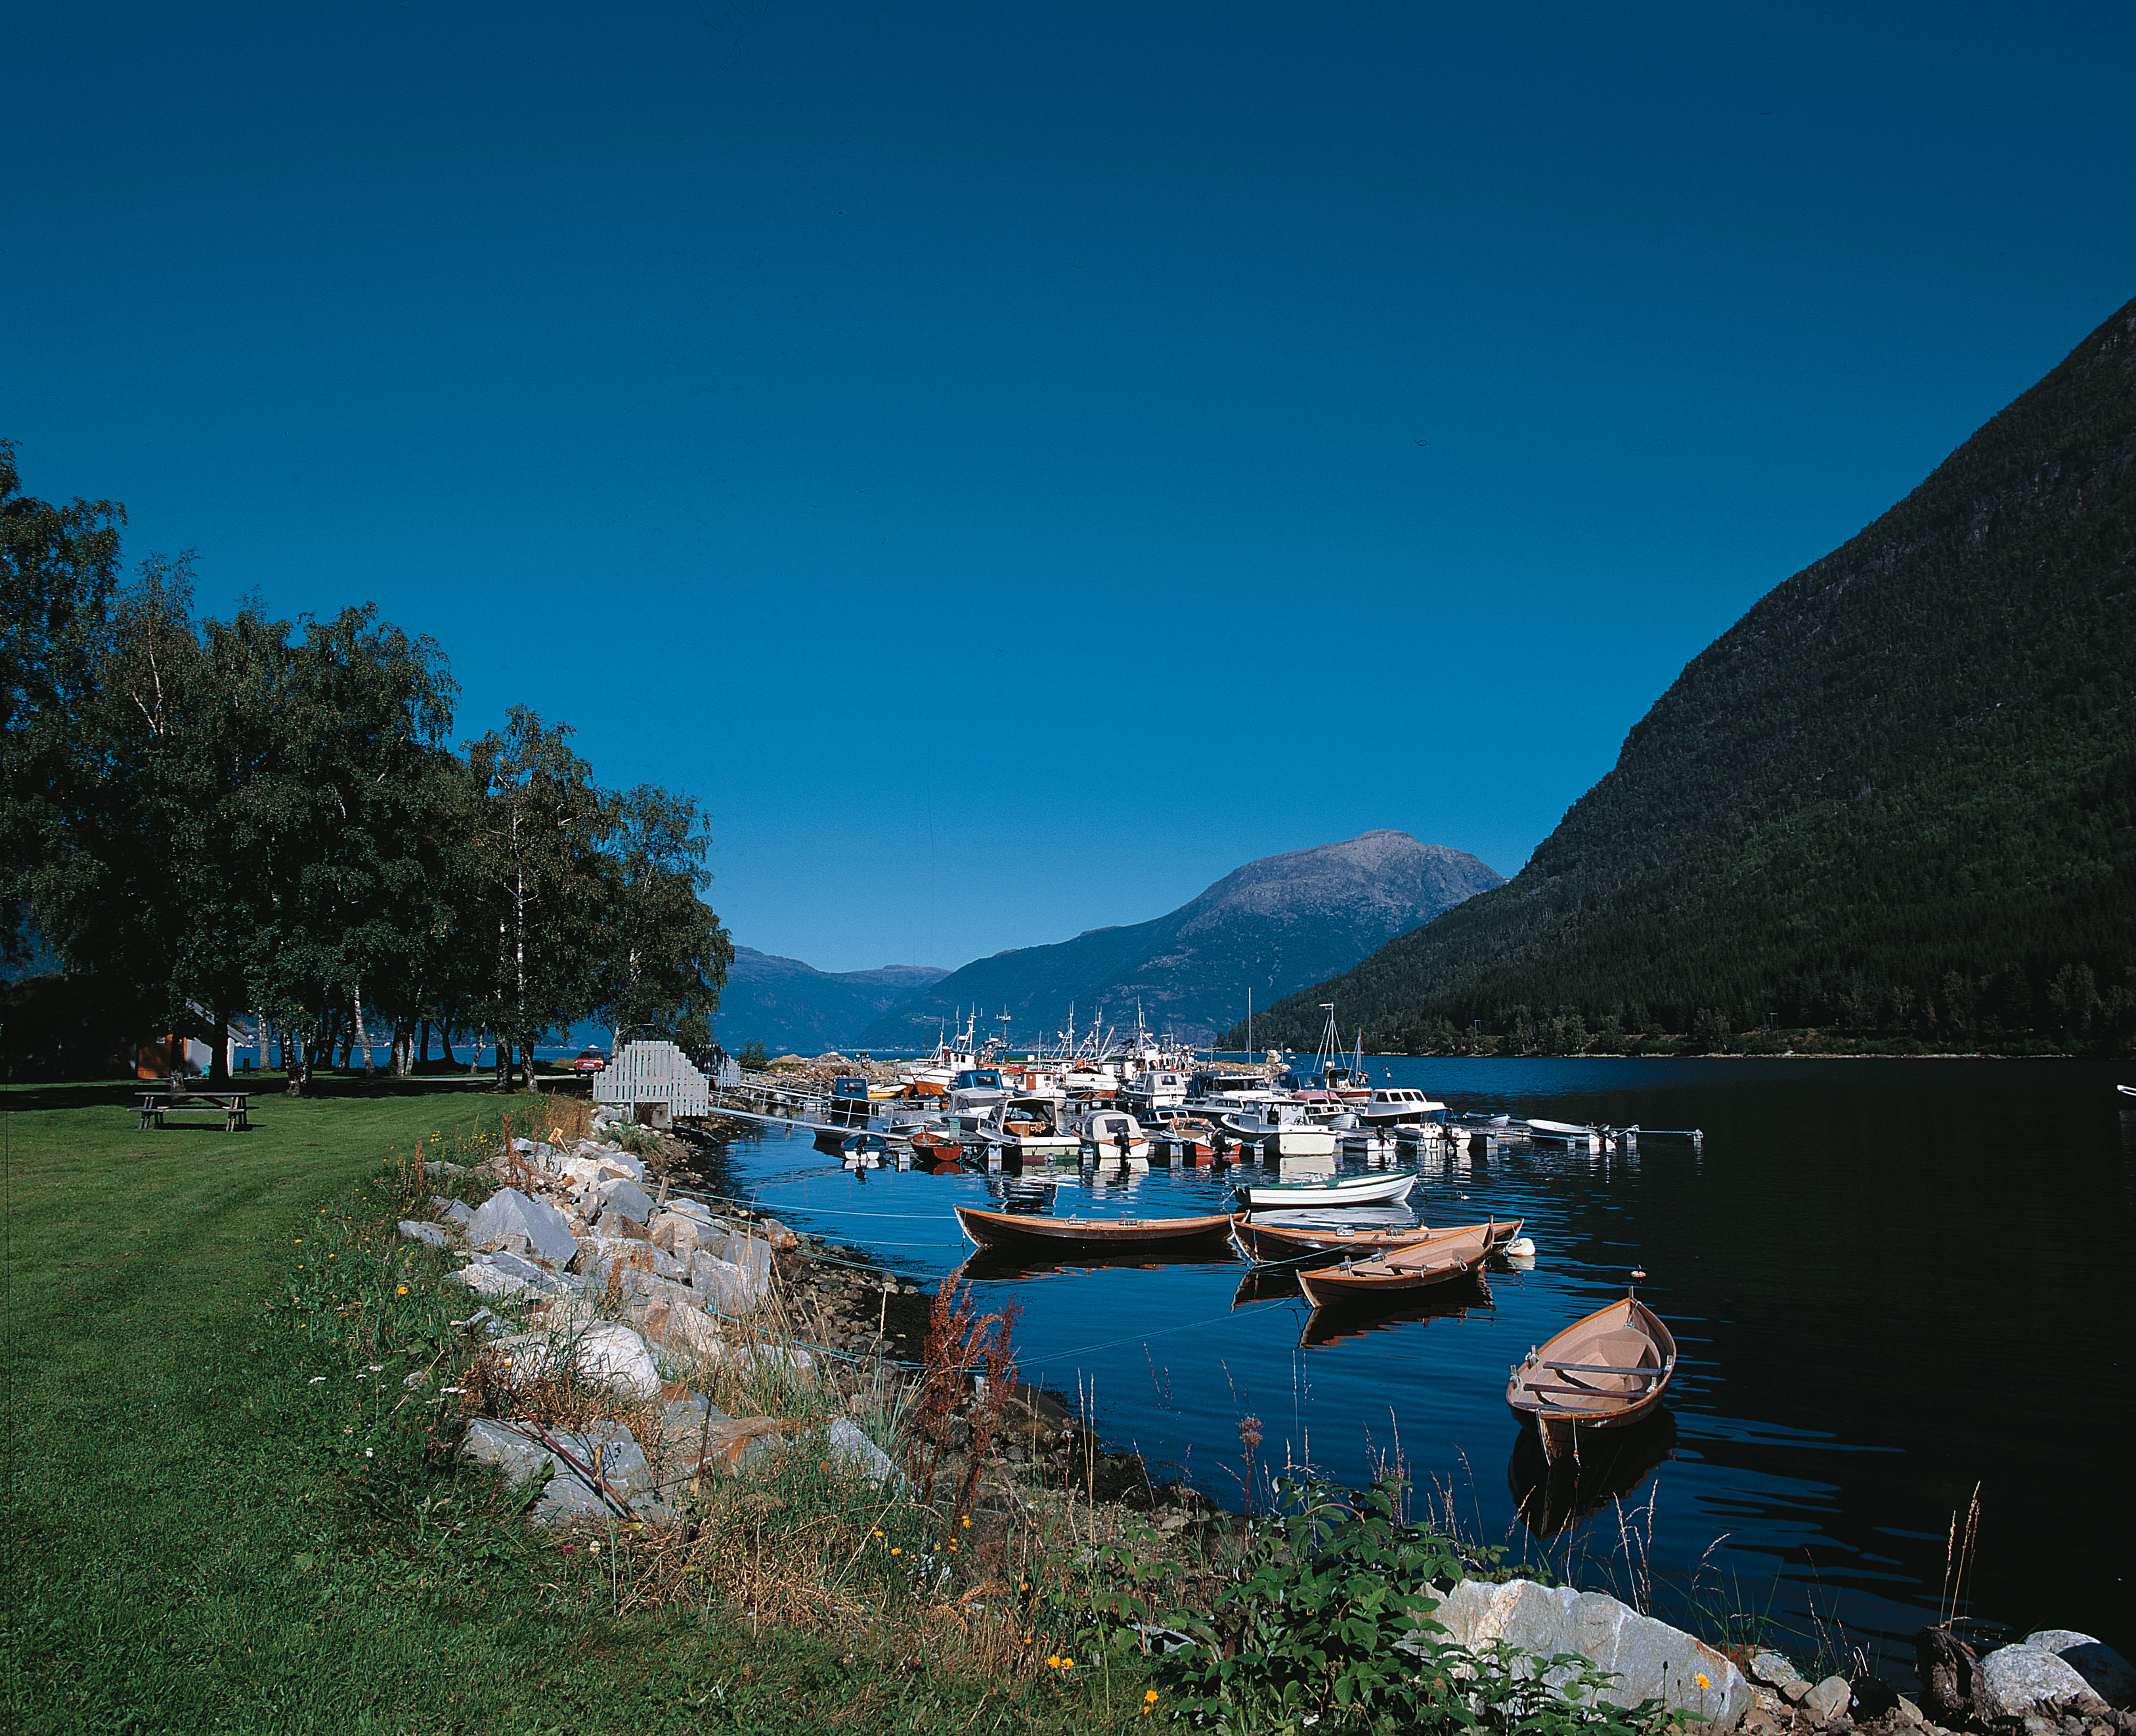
[[658, 1074]]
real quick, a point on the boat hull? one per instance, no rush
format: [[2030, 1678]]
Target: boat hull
[[1365, 1190], [1336, 1286], [1015, 1230], [1607, 1371], [1269, 1243]]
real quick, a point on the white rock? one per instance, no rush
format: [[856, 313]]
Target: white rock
[[2016, 1680], [1650, 1659], [509, 1212], [624, 1165], [623, 1198], [430, 1235], [852, 1449], [1772, 1670], [1828, 1699], [606, 1451], [723, 1287], [2112, 1676], [487, 1280], [608, 1352], [769, 1355], [684, 1330]]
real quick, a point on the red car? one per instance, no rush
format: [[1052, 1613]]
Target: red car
[[590, 1060]]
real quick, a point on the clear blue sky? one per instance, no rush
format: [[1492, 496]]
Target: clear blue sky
[[1014, 464]]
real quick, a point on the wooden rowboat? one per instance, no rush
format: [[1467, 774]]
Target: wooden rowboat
[[1269, 1243], [1388, 1189], [1020, 1229], [1437, 1259], [1607, 1371]]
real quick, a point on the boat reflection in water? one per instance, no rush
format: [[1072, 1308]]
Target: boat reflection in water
[[988, 1263], [1324, 1326], [1552, 1498]]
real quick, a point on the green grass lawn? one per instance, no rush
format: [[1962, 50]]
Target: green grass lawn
[[217, 1519]]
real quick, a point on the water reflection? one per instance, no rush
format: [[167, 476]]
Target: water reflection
[[1551, 1498], [1353, 1320]]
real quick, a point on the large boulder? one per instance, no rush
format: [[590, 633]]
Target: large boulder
[[1649, 1659], [603, 1351], [2112, 1676], [683, 1330], [2018, 1680], [602, 1451], [509, 1212], [726, 1287], [623, 1198]]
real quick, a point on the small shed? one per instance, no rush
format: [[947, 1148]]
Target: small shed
[[655, 1082]]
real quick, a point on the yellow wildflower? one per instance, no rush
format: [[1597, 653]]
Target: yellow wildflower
[[1150, 1696], [1702, 1682]]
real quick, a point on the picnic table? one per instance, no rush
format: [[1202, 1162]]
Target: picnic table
[[230, 1105]]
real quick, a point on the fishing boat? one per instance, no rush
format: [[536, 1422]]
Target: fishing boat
[[1112, 1135], [1028, 1127], [1287, 1129], [1016, 1229], [1269, 1243], [1561, 1130], [1437, 1259], [1384, 1189], [2126, 1090], [1399, 1106], [1606, 1371]]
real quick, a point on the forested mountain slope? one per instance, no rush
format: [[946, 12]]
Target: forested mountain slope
[[1898, 797], [1269, 927]]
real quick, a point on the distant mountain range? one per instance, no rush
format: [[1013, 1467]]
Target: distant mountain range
[[1271, 926], [1898, 797], [788, 1006]]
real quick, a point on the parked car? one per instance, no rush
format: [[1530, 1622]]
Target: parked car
[[590, 1060]]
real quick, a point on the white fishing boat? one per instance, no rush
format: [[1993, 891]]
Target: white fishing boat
[[1568, 1132], [1340, 1191], [1397, 1106], [1112, 1135], [1288, 1129], [1028, 1127]]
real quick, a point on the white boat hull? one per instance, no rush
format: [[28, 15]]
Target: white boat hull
[[1361, 1191]]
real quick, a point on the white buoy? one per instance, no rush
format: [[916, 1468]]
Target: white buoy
[[1521, 1247]]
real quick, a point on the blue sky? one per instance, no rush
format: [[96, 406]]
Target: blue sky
[[1015, 464]]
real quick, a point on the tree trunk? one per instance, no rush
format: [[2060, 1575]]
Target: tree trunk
[[264, 1039], [296, 1058], [423, 1052], [445, 1041], [503, 1058], [218, 1055], [362, 1037], [526, 1066], [404, 1048]]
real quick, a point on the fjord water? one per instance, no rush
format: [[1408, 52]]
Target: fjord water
[[1890, 1280]]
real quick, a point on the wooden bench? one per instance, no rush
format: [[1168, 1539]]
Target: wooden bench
[[230, 1105]]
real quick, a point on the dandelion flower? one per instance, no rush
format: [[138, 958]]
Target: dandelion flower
[[1067, 1663], [1053, 1662], [402, 1291], [968, 1524], [1702, 1682], [1149, 1696], [896, 1551]]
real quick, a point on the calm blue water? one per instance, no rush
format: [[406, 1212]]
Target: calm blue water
[[1890, 1280]]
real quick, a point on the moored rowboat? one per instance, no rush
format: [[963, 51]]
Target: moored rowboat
[[1437, 1259], [1340, 1190], [1605, 1371], [1269, 1243], [1019, 1230]]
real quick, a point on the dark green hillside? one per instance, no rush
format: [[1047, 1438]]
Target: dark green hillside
[[1898, 797]]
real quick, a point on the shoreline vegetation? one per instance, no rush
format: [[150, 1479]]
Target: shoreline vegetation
[[251, 1393]]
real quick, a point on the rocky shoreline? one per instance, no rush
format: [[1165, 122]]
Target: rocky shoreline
[[627, 1343]]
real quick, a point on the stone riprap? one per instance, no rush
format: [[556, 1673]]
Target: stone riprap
[[1650, 1660], [430, 1235], [508, 1212]]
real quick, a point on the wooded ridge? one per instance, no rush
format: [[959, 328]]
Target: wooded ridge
[[1895, 801]]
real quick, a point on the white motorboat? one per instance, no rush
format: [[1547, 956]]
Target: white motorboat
[[1287, 1128], [1029, 1126], [1341, 1190], [1565, 1131], [1398, 1106], [1112, 1135]]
